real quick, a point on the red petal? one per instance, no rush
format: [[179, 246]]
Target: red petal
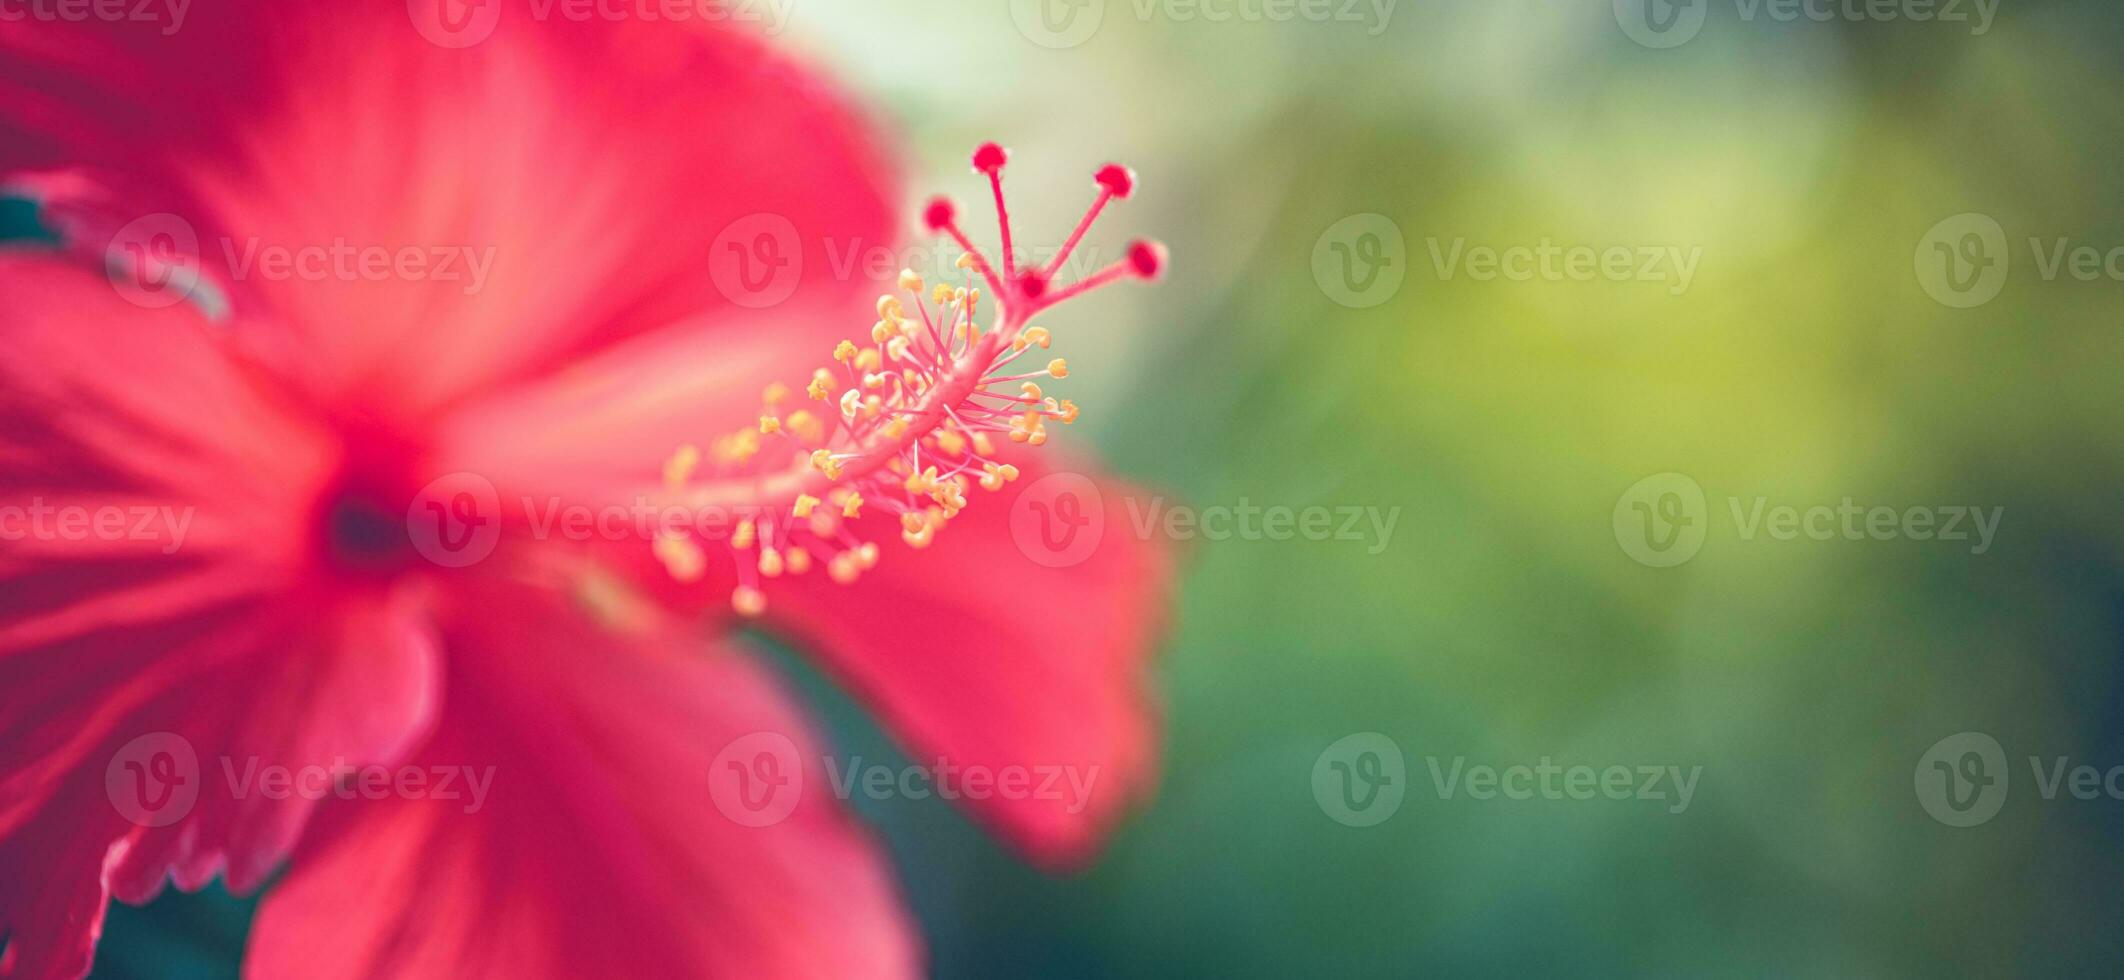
[[977, 653], [129, 648], [605, 170], [601, 847]]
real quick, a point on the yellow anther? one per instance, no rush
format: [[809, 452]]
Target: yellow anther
[[1031, 390], [821, 385], [867, 555], [744, 534], [1069, 412], [770, 562], [983, 444], [897, 347], [912, 521], [896, 428], [852, 507], [799, 561], [844, 567], [748, 601], [738, 447], [889, 306], [775, 394], [823, 461], [965, 260], [1038, 335], [951, 442], [1028, 428], [804, 503], [921, 482], [869, 359], [844, 351], [806, 426], [910, 281], [942, 294], [1058, 368], [950, 495], [770, 425], [881, 330], [682, 558], [873, 406], [850, 400], [993, 475], [681, 464]]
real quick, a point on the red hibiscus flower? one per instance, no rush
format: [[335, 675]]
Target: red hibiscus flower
[[353, 307]]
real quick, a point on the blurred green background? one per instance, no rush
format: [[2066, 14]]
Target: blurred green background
[[1503, 622]]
